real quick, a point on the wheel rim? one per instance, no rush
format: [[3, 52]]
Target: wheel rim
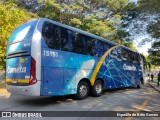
[[83, 90], [98, 88]]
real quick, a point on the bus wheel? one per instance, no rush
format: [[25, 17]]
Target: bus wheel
[[139, 86], [97, 89], [82, 91]]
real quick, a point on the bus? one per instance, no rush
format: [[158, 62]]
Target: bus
[[146, 68], [47, 58]]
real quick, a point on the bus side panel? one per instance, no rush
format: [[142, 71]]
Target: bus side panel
[[52, 81], [116, 74], [70, 81], [111, 73], [75, 67]]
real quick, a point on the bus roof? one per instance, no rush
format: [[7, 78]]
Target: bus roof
[[84, 32]]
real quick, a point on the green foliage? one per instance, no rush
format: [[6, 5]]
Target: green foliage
[[101, 17], [130, 45], [99, 27], [116, 6], [151, 8], [154, 54], [153, 29], [89, 15], [10, 17], [75, 22], [50, 9]]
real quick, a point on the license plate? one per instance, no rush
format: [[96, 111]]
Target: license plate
[[14, 81]]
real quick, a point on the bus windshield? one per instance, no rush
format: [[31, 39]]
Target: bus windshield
[[22, 32]]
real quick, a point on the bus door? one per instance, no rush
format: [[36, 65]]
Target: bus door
[[52, 81]]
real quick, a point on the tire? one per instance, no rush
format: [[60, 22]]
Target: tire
[[97, 89], [82, 90], [139, 86]]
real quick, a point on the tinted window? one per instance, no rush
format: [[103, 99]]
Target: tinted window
[[125, 55], [116, 54], [98, 48], [94, 47], [90, 45], [56, 37], [129, 56], [78, 41], [136, 58], [107, 46], [119, 53]]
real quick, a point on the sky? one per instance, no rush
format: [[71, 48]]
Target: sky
[[145, 47], [140, 36], [133, 1]]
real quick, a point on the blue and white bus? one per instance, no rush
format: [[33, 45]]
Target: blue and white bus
[[47, 58]]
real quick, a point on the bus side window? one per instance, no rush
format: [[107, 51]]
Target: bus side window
[[64, 39], [90, 43], [56, 37], [116, 54], [119, 53], [106, 47], [49, 35], [45, 31], [113, 54], [129, 56], [124, 55], [78, 42], [69, 45], [139, 59], [98, 48], [136, 58]]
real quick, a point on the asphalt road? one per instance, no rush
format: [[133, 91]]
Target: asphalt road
[[131, 99]]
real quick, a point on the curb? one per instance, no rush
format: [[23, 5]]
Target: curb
[[154, 87], [4, 93]]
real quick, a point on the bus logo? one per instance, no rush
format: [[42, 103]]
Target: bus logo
[[16, 70], [131, 68], [23, 60]]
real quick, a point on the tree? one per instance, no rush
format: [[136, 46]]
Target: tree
[[154, 54], [130, 45], [154, 12], [10, 17], [29, 5], [153, 28], [103, 18], [77, 13], [50, 9]]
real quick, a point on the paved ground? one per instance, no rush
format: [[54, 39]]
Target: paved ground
[[144, 99], [154, 85], [2, 82]]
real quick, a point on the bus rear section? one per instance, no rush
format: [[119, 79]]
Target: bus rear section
[[21, 65]]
